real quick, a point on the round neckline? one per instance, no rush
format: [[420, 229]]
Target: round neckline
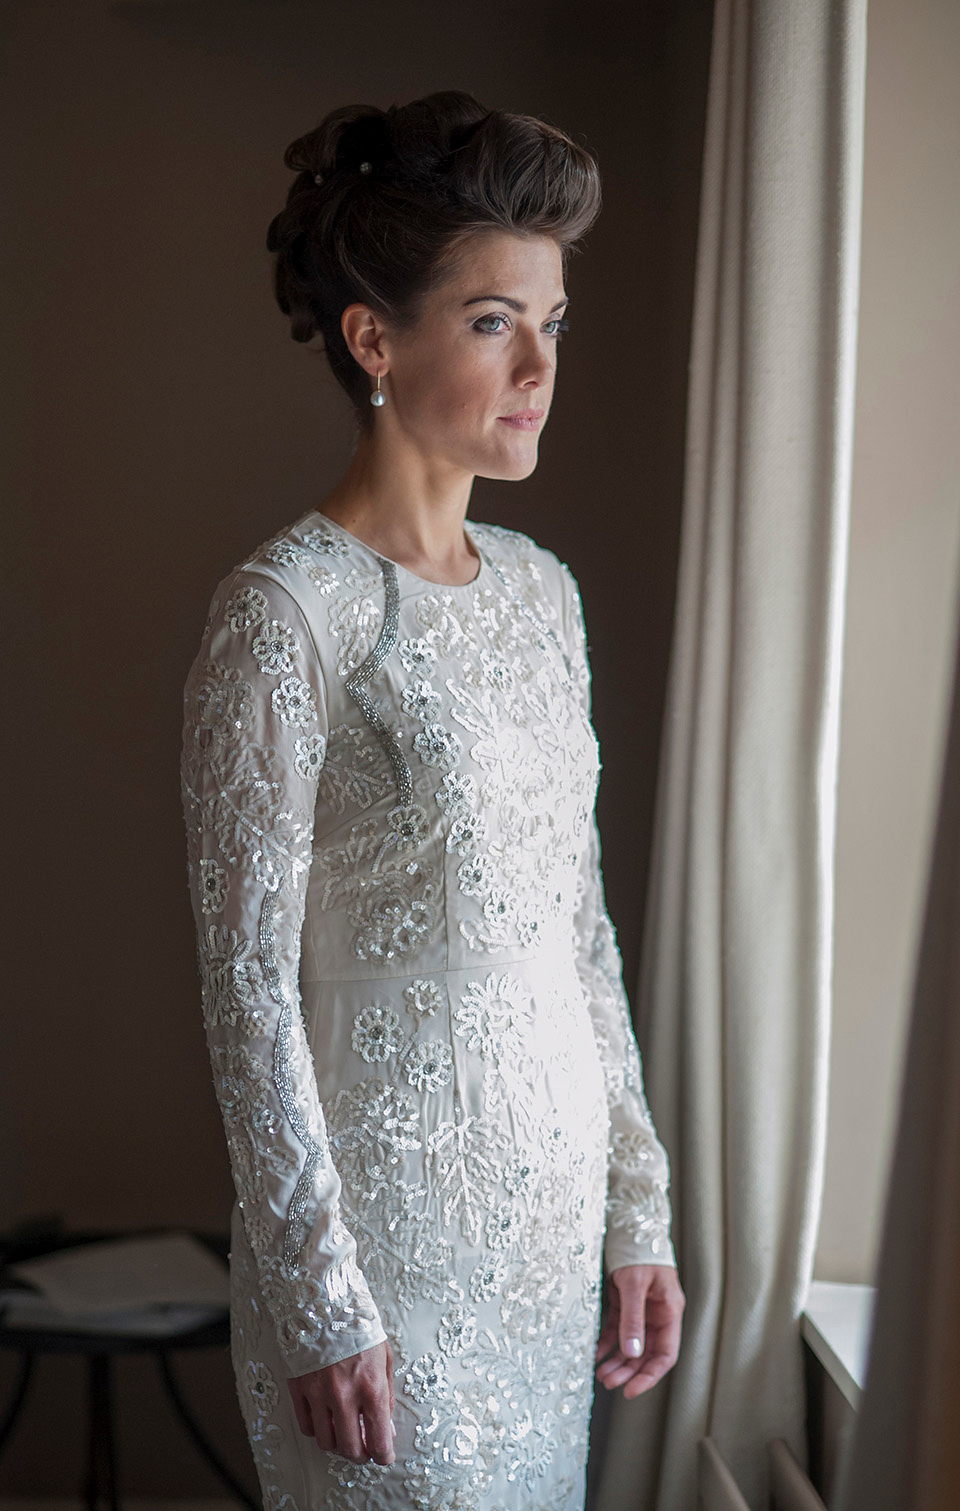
[[427, 582]]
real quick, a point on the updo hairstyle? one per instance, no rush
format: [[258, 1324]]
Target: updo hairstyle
[[440, 169]]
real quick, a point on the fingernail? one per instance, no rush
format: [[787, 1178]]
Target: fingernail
[[393, 1427], [633, 1347]]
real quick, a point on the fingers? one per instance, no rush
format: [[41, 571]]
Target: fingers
[[653, 1366], [641, 1339], [378, 1426], [325, 1435], [302, 1408], [610, 1329], [348, 1406], [361, 1423], [314, 1420], [346, 1422], [635, 1375], [644, 1379], [617, 1370], [632, 1284], [608, 1339]]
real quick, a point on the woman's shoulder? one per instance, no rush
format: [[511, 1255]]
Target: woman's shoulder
[[295, 548], [533, 564], [311, 561], [304, 561]]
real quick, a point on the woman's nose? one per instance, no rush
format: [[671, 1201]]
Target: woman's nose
[[536, 364]]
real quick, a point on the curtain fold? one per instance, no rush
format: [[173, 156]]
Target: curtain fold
[[734, 990], [905, 1450]]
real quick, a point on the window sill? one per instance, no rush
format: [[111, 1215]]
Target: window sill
[[836, 1322]]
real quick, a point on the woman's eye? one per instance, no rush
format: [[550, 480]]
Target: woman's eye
[[558, 324], [479, 323]]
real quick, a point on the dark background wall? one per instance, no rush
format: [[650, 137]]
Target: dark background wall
[[161, 424]]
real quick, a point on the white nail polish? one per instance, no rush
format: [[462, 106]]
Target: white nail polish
[[633, 1347]]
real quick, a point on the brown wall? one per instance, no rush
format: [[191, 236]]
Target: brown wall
[[163, 423]]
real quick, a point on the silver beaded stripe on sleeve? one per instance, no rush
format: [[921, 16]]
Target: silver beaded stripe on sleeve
[[294, 1235], [355, 683]]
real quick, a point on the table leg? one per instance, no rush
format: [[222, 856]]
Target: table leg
[[17, 1398], [101, 1451], [202, 1442]]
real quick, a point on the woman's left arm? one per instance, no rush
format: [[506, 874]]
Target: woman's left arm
[[638, 1208], [645, 1298]]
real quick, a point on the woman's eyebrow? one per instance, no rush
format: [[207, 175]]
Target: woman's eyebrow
[[515, 304]]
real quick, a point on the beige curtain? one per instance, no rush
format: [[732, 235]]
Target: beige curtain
[[734, 992], [905, 1453]]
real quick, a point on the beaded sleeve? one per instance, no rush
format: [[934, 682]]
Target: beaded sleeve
[[254, 742], [638, 1173]]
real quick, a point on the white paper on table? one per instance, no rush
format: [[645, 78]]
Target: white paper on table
[[168, 1269]]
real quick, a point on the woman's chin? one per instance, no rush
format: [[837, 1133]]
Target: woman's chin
[[515, 466]]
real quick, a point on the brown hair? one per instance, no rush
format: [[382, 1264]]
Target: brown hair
[[441, 168]]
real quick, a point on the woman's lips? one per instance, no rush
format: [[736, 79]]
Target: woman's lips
[[527, 420]]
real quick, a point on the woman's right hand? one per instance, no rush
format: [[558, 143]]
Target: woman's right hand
[[348, 1406]]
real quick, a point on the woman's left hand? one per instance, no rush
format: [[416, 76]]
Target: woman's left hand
[[640, 1337]]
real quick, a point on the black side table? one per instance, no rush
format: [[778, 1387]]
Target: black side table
[[100, 1350]]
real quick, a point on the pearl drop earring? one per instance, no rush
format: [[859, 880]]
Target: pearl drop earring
[[377, 397]]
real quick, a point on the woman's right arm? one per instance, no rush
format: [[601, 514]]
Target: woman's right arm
[[254, 740]]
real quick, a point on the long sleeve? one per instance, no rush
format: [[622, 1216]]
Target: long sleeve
[[254, 743], [638, 1173]]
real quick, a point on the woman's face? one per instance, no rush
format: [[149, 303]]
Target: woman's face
[[485, 348]]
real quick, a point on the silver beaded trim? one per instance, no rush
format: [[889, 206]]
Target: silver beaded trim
[[355, 682], [295, 1234]]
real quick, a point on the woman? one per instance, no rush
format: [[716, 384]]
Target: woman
[[412, 990]]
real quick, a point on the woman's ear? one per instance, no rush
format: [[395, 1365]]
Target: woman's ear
[[364, 334]]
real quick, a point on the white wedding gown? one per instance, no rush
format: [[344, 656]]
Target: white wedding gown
[[415, 1009]]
